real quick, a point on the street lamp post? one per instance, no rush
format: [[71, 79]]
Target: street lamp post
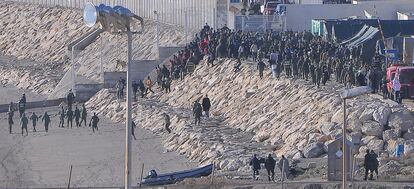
[[348, 94], [158, 35]]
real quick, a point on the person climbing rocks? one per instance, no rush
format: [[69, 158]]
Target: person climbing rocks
[[70, 99], [94, 122], [34, 119], [255, 163], [46, 121], [149, 84], [10, 117], [84, 113], [167, 122], [23, 123], [69, 116], [197, 112], [62, 117], [270, 164], [206, 106], [77, 116]]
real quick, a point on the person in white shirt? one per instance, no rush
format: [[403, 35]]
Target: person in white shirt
[[396, 86], [273, 63], [253, 50]]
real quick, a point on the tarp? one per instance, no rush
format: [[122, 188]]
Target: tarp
[[358, 35], [365, 41]]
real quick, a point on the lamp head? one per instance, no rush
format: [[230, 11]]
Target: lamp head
[[90, 14]]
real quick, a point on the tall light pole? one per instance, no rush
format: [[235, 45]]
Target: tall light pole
[[158, 35], [118, 19], [348, 94]]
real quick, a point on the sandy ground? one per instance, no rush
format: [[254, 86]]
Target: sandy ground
[[43, 159]]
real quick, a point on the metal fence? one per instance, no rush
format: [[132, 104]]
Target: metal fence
[[191, 13], [259, 23]]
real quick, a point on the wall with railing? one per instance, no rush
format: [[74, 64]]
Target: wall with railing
[[187, 13]]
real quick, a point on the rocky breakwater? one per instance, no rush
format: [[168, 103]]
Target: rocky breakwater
[[295, 117], [212, 141], [33, 41]]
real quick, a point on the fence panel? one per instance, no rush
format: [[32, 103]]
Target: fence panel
[[259, 23]]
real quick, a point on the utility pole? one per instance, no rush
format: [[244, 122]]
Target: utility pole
[[128, 123]]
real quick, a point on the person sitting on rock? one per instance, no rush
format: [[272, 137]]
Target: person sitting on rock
[[255, 163]]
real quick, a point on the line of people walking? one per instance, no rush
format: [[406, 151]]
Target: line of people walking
[[270, 165]]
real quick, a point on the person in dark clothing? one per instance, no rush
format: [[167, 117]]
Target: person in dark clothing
[[133, 129], [197, 112], [367, 164], [23, 123], [141, 88], [375, 164], [62, 118], [84, 113], [10, 117], [94, 122], [77, 116], [236, 67], [255, 163], [261, 66], [70, 98], [46, 120], [34, 119], [69, 116], [270, 165], [135, 90], [22, 106], [384, 89], [167, 122], [206, 106], [167, 84]]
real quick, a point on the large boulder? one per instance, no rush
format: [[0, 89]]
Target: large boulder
[[376, 145], [356, 137], [409, 135], [382, 114], [328, 128], [391, 134], [367, 115], [372, 128], [402, 120], [354, 125], [409, 147], [314, 150]]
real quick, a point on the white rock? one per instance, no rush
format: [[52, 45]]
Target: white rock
[[382, 114], [402, 120], [376, 145], [372, 128]]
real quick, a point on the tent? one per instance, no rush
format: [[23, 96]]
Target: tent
[[366, 40]]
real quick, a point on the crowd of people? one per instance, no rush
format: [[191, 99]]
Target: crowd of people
[[270, 165], [79, 115]]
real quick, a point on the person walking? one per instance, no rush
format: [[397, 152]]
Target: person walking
[[84, 113], [133, 129], [70, 98], [77, 116], [69, 116], [149, 85], [270, 165], [206, 106], [62, 118], [46, 120], [396, 86], [34, 119], [23, 123], [167, 122], [367, 164], [284, 167], [22, 105], [255, 163], [261, 66], [94, 122], [197, 112], [253, 51], [10, 117]]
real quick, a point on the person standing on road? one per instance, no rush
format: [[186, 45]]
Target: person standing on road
[[22, 105], [197, 112], [94, 122], [46, 120], [77, 116], [167, 122], [69, 116], [70, 98], [255, 163], [23, 123], [84, 113], [34, 119], [270, 165], [206, 106], [10, 117], [62, 118]]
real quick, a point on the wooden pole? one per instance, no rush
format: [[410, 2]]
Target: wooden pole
[[70, 176]]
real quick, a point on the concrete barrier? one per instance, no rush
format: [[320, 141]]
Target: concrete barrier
[[85, 91], [35, 104]]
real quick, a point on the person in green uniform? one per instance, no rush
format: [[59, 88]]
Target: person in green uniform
[[94, 122], [34, 119], [77, 116]]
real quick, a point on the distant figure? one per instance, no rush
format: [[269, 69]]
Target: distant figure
[[77, 116], [22, 105], [34, 119], [255, 163], [94, 122], [120, 88], [167, 84], [270, 165], [374, 163], [62, 117], [284, 167], [69, 116], [206, 106], [133, 129], [236, 67], [10, 117], [367, 164], [149, 84], [261, 66], [84, 113], [197, 112], [396, 85], [135, 89], [46, 120], [70, 98], [141, 88], [23, 123], [167, 122]]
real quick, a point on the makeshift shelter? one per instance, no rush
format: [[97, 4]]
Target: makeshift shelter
[[365, 40]]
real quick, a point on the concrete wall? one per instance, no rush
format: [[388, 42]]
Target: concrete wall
[[35, 104], [140, 70], [299, 17], [85, 91], [166, 52]]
